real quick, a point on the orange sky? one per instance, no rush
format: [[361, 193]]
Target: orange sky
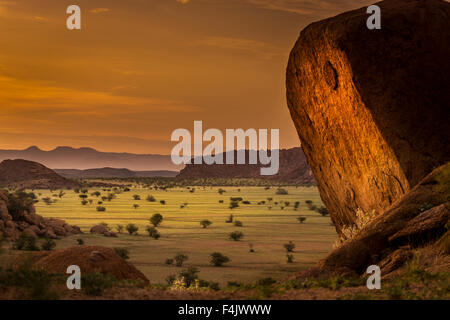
[[141, 68]]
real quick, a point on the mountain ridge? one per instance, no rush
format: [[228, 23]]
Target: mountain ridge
[[64, 157]]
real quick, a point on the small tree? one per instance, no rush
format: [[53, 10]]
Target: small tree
[[156, 219], [290, 258], [234, 204], [281, 191], [323, 211], [136, 197], [238, 223], [96, 194], [80, 242], [151, 198], [132, 228], [236, 235], [163, 202], [301, 219], [230, 219], [218, 259], [289, 246], [119, 228], [205, 223], [135, 206], [180, 259], [153, 232]]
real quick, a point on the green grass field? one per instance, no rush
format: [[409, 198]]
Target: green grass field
[[181, 232]]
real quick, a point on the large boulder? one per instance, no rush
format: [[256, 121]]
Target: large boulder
[[101, 229], [384, 234], [90, 259], [369, 105]]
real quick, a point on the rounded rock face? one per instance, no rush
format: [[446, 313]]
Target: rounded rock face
[[369, 105]]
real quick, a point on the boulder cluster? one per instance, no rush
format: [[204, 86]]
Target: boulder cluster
[[102, 229], [25, 221]]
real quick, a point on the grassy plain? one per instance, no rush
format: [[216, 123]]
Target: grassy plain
[[266, 229]]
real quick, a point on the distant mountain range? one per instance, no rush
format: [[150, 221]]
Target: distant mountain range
[[87, 158], [78, 163], [293, 169], [112, 173]]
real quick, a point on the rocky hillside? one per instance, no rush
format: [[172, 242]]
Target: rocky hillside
[[18, 215], [368, 106], [293, 169], [25, 174]]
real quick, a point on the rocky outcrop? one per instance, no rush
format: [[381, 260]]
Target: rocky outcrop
[[23, 174], [90, 259], [293, 169], [369, 105], [101, 229], [403, 221], [17, 216]]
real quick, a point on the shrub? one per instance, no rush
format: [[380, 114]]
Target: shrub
[[119, 228], [80, 242], [169, 261], [153, 233], [235, 199], [238, 223], [322, 210], [135, 206], [132, 228], [308, 202], [101, 209], [301, 219], [84, 202], [289, 246], [230, 219], [189, 275], [281, 191], [136, 197], [26, 243], [233, 204], [205, 223], [180, 259], [218, 259], [251, 247], [38, 284], [95, 283], [156, 219], [48, 245], [236, 235], [123, 253], [151, 198], [290, 258], [46, 200], [96, 194]]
